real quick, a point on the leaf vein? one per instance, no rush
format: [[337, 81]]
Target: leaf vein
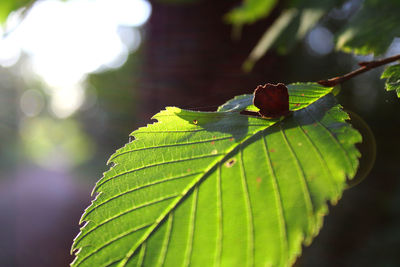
[[167, 237], [156, 165], [141, 255], [109, 242], [316, 149], [280, 211], [124, 213], [140, 187], [250, 223], [192, 224], [218, 252], [300, 170], [169, 145], [335, 140]]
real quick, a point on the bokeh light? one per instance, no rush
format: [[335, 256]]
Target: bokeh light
[[320, 41], [31, 103]]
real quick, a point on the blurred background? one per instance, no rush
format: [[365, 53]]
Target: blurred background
[[78, 76]]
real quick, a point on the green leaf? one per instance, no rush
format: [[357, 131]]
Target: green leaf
[[392, 74], [372, 29], [220, 188], [250, 11], [7, 6]]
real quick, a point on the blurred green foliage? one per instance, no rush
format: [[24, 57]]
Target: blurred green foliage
[[7, 6], [250, 11], [8, 120], [45, 140], [372, 29], [297, 18]]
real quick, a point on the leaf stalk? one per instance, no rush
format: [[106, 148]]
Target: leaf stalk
[[364, 66]]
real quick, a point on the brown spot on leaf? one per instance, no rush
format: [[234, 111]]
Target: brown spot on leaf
[[302, 94], [213, 142], [297, 104], [272, 150], [230, 162], [272, 100], [231, 139], [189, 170], [258, 180]]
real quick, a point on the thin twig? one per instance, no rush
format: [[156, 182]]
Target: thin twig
[[365, 66]]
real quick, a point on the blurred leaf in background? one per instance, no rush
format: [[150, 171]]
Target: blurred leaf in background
[[250, 11], [291, 26], [8, 6], [372, 29], [55, 144]]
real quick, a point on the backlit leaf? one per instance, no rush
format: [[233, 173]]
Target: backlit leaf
[[221, 188], [392, 76]]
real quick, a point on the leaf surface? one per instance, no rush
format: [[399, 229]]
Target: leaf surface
[[220, 188], [392, 76]]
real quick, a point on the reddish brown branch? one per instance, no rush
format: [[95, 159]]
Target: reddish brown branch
[[364, 66]]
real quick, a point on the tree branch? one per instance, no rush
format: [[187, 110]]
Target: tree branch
[[364, 66]]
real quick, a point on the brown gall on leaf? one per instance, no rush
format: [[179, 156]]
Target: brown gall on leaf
[[272, 100]]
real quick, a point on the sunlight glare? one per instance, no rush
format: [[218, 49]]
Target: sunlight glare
[[9, 52], [66, 100], [66, 40]]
